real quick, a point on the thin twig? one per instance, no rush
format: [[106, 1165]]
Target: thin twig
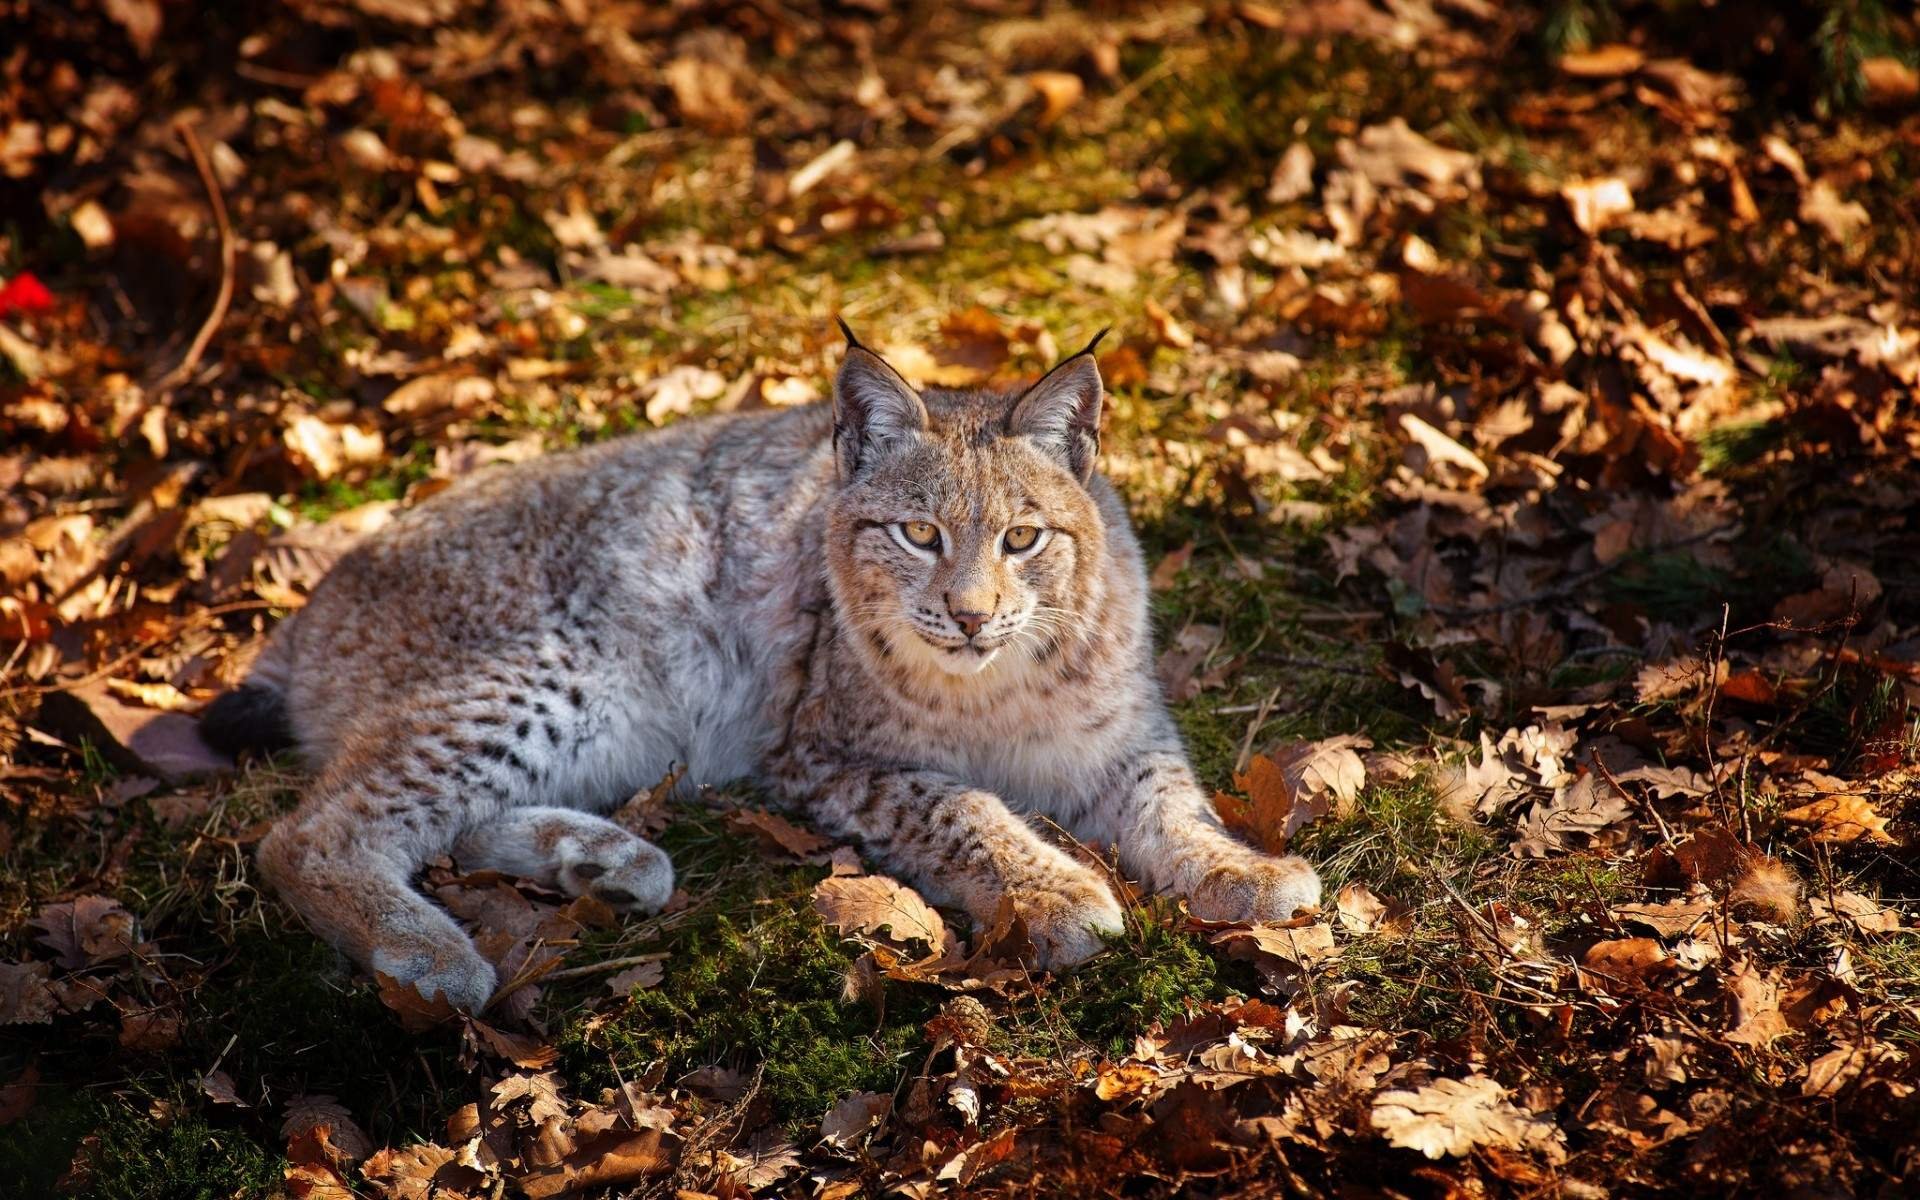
[[612, 964], [223, 297]]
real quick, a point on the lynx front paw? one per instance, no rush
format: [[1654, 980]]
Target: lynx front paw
[[1066, 920], [456, 972], [1259, 889], [632, 875]]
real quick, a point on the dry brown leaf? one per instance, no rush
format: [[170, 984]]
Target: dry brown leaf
[[1594, 204], [87, 931], [417, 1013], [1753, 999], [1669, 919], [777, 833], [704, 91], [1578, 811], [643, 975], [853, 1117], [164, 744], [17, 1096], [1059, 91], [314, 1166], [1839, 818], [1281, 953], [1625, 965], [344, 1134], [1456, 1116], [444, 394], [1361, 910], [1603, 62], [866, 904], [1841, 220], [25, 997]]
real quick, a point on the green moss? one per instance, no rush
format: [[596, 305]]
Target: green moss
[[121, 1152], [1151, 973], [760, 991]]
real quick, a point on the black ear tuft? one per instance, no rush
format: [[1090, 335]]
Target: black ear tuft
[[1061, 412], [872, 405], [853, 342]]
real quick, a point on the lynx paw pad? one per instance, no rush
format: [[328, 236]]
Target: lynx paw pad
[[631, 877], [1262, 889], [1067, 921]]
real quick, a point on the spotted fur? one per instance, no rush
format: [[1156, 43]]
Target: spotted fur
[[736, 596]]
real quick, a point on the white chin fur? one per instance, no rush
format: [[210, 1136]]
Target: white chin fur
[[962, 663], [965, 662]]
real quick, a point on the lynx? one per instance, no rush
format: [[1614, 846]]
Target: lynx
[[918, 617]]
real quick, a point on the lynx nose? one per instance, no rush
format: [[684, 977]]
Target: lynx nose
[[970, 622]]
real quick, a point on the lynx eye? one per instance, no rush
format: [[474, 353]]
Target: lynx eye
[[924, 534], [1021, 538]]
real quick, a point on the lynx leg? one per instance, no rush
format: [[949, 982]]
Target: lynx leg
[[582, 854], [963, 845], [352, 884], [1173, 839]]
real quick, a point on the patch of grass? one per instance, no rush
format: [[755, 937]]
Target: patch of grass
[[1399, 840], [1734, 444], [1674, 586], [319, 500]]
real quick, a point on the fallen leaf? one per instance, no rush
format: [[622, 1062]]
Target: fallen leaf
[[1456, 1116], [165, 744], [645, 975], [417, 1013], [1594, 204], [777, 833], [1625, 965], [1059, 91], [1361, 910], [1578, 811], [1841, 220], [866, 904], [853, 1117], [1753, 999], [675, 393], [1840, 818], [305, 1112], [1603, 62], [87, 931]]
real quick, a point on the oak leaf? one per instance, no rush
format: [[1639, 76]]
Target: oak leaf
[[1361, 910], [87, 931], [1840, 818], [853, 1117], [1455, 1116], [867, 904]]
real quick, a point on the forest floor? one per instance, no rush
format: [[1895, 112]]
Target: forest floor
[[1519, 411]]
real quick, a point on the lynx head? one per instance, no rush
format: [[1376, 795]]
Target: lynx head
[[963, 535]]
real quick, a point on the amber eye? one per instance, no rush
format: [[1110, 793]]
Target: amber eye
[[924, 534], [1021, 537]]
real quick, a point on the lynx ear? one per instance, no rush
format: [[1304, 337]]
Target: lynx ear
[[1061, 412], [872, 405]]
